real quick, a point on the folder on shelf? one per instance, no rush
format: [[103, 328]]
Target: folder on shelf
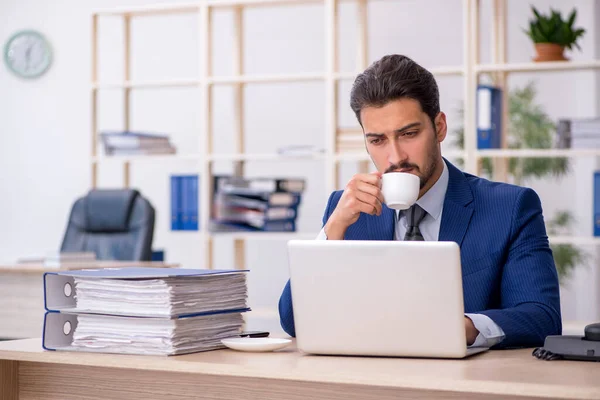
[[184, 202], [175, 203], [141, 310], [192, 194], [255, 186], [266, 226], [597, 203], [489, 117]]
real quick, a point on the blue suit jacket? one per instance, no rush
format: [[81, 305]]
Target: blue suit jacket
[[507, 265]]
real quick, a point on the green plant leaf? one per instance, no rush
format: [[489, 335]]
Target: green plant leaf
[[553, 28], [536, 12], [572, 17], [566, 258], [545, 28]]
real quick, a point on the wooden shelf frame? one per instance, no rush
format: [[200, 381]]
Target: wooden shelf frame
[[470, 71]]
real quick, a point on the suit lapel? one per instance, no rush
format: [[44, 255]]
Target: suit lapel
[[382, 227], [458, 207]]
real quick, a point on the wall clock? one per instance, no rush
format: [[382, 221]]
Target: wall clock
[[28, 54]]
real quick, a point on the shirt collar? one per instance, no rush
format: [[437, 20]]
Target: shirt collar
[[433, 200]]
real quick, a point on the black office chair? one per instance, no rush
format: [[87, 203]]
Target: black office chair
[[114, 224]]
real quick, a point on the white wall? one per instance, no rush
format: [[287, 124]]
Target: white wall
[[45, 123]]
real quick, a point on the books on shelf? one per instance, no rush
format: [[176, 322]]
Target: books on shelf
[[255, 204], [300, 150], [239, 185], [184, 202], [489, 117], [161, 311], [135, 143], [578, 133], [243, 226]]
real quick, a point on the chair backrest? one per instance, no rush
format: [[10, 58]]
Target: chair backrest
[[115, 224]]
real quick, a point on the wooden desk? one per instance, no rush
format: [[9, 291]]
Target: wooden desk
[[22, 296], [27, 372]]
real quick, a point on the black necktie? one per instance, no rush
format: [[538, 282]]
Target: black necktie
[[414, 216]]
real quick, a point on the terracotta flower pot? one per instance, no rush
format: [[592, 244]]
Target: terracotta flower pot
[[549, 52]]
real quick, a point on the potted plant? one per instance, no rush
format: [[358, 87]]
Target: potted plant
[[551, 34], [530, 127]]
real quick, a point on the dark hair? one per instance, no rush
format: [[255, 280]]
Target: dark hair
[[391, 78]]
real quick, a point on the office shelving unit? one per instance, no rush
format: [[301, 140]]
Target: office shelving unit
[[335, 150]]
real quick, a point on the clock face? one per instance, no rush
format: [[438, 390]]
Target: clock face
[[28, 54]]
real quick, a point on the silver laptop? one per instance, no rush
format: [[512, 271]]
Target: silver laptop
[[378, 298]]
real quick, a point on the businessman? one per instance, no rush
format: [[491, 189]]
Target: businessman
[[511, 291]]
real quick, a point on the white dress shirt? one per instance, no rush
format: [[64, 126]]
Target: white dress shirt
[[433, 203]]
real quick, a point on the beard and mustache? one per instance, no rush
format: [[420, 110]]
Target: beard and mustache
[[424, 174]]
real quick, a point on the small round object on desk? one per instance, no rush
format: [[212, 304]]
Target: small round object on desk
[[256, 344], [592, 332]]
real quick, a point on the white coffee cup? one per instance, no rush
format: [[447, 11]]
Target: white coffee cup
[[400, 189]]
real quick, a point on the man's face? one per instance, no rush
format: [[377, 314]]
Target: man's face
[[400, 137]]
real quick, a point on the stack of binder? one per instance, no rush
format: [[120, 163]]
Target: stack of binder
[[155, 311], [256, 204], [578, 133]]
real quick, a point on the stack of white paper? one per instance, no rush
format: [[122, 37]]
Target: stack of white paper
[[154, 336], [165, 297]]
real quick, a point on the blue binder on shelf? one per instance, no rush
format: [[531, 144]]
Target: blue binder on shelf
[[596, 203], [489, 117], [184, 203], [62, 314], [191, 193], [175, 203]]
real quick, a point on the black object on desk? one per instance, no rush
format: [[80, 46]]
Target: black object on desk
[[254, 334], [558, 347]]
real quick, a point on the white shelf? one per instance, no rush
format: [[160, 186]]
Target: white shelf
[[146, 157], [147, 84], [539, 66], [258, 3], [265, 157], [232, 80], [211, 157], [575, 240], [439, 71], [451, 70], [265, 235], [363, 156], [345, 75], [194, 7], [537, 153], [216, 80], [150, 9]]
